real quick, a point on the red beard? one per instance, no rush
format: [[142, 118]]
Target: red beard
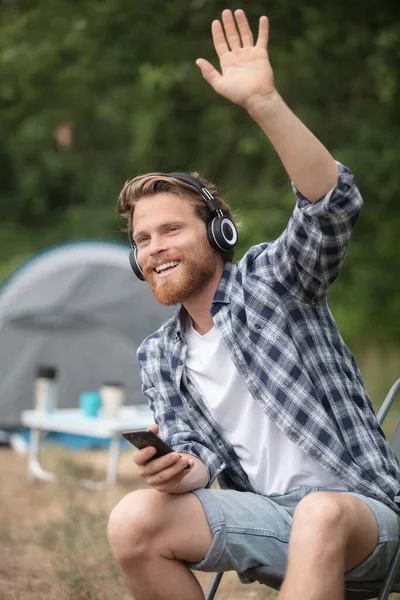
[[195, 271]]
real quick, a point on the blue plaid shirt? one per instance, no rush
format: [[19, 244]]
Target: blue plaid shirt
[[271, 312]]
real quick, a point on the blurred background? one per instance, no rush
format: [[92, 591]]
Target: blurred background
[[93, 93]]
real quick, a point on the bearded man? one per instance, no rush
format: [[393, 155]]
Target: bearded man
[[250, 382]]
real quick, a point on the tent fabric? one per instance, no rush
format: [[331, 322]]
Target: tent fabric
[[77, 307]]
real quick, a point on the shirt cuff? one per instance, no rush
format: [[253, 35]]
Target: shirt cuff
[[341, 191]]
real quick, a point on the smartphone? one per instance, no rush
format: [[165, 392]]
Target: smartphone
[[143, 438]]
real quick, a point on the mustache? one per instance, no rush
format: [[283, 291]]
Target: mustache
[[151, 265]]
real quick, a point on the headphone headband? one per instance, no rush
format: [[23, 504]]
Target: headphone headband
[[209, 199]]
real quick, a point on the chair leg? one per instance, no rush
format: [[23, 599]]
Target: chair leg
[[213, 586], [390, 576]]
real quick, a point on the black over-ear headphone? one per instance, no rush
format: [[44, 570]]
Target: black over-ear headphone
[[221, 230]]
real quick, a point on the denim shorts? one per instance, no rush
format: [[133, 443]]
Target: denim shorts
[[251, 534]]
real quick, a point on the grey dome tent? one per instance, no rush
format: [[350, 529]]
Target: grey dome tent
[[77, 307]]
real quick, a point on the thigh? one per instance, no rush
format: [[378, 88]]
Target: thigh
[[188, 535], [173, 525], [375, 565], [250, 533]]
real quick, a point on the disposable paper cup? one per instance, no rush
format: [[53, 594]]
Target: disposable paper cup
[[112, 398]]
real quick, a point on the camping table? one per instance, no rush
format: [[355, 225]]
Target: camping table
[[73, 421]]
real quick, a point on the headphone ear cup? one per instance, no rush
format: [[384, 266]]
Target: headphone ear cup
[[136, 268], [211, 238], [222, 233]]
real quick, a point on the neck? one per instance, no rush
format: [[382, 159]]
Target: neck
[[199, 308]]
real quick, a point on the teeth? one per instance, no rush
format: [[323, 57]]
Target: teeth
[[167, 265]]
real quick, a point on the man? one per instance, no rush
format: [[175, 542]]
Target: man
[[251, 382]]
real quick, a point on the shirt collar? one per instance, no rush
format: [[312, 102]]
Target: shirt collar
[[223, 291]]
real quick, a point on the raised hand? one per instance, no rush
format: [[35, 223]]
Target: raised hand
[[246, 71]]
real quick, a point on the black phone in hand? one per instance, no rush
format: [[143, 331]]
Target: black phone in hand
[[143, 438]]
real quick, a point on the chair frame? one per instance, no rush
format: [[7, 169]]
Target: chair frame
[[357, 590]]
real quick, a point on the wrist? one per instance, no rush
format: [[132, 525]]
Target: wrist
[[196, 478], [263, 105]]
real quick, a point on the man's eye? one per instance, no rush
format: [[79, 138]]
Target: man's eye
[[172, 229], [142, 240]]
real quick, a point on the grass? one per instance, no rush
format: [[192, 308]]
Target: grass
[[53, 543]]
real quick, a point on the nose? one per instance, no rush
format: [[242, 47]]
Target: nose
[[157, 245]]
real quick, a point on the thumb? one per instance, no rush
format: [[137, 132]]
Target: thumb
[[209, 73], [154, 428]]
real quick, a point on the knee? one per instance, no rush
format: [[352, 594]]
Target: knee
[[135, 523], [320, 516]]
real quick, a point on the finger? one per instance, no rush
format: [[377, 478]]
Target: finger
[[263, 33], [141, 457], [164, 476], [218, 35], [168, 486], [244, 29], [231, 33], [154, 428], [210, 74], [159, 464]]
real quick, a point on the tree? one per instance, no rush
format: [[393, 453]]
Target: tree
[[92, 93]]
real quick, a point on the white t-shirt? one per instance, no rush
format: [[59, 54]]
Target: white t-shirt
[[273, 463]]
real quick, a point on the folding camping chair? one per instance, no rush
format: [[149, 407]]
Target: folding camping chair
[[368, 589]]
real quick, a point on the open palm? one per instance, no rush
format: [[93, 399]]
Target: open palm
[[245, 66]]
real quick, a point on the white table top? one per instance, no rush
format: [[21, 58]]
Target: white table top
[[72, 420]]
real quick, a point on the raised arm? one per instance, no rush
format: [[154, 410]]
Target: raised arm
[[246, 79]]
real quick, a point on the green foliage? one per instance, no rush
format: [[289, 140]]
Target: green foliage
[[120, 80]]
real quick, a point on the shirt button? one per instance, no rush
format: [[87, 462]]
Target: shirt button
[[344, 187], [181, 362], [257, 326]]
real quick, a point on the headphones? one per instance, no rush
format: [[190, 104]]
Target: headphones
[[221, 230]]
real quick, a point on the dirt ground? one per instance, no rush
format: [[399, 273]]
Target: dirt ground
[[53, 535]]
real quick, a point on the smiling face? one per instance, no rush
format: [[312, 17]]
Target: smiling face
[[173, 250]]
